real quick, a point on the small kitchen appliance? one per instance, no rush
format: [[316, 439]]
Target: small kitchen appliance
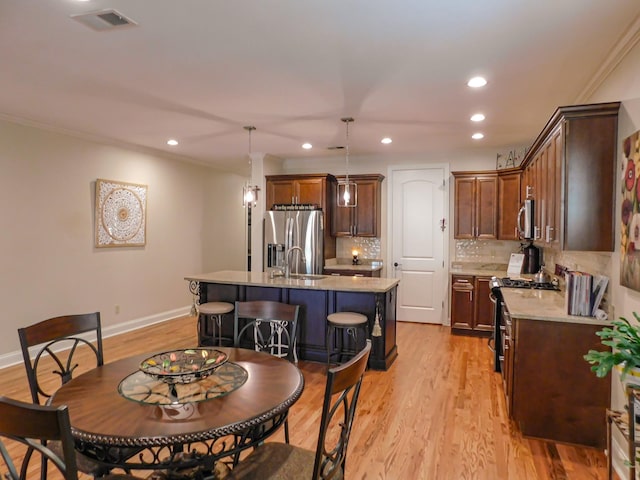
[[525, 220], [531, 263]]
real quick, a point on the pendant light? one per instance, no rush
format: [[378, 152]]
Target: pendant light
[[347, 190], [250, 192]]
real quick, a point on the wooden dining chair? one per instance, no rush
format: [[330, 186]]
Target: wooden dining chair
[[55, 343], [36, 427], [56, 358], [269, 327], [273, 460]]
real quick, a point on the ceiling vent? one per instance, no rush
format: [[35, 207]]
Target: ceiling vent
[[337, 147], [104, 20]]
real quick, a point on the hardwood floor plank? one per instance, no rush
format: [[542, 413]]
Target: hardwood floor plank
[[437, 413]]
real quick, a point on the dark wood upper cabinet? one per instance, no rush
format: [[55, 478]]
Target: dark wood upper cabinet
[[362, 220], [508, 204], [570, 171], [316, 189], [475, 205]]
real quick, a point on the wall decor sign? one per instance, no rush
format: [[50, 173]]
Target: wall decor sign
[[630, 213], [121, 214], [511, 159]]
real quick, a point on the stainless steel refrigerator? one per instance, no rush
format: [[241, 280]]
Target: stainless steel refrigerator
[[290, 228]]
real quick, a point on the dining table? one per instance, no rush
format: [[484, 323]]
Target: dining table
[[127, 417]]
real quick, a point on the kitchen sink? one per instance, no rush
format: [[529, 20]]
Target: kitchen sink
[[307, 276]]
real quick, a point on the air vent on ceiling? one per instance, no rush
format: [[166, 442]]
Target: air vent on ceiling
[[337, 147], [104, 20]]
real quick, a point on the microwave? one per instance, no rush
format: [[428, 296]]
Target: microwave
[[525, 219]]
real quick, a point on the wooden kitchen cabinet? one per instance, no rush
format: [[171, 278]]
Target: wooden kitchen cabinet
[[363, 220], [471, 307], [570, 171], [508, 204], [315, 189], [554, 394], [483, 307], [475, 205]]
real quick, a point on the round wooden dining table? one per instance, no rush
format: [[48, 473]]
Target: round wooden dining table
[[121, 419]]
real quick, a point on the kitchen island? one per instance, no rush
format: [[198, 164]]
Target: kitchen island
[[318, 296]]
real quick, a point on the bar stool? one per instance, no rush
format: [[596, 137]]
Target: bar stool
[[215, 310], [351, 323]]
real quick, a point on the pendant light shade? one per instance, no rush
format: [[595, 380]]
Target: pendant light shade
[[250, 192], [347, 190]]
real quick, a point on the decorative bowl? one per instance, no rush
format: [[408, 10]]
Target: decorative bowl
[[183, 366]]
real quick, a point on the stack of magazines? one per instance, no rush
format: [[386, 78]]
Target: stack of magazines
[[584, 293]]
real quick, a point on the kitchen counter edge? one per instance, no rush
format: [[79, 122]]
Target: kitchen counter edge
[[546, 305], [328, 282]]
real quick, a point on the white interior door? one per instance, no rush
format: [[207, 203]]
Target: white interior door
[[418, 242]]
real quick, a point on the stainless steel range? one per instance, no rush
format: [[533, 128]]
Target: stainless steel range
[[500, 338], [522, 283]]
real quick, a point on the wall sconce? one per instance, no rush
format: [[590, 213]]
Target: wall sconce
[[250, 195]]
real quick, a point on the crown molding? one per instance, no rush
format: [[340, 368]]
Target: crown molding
[[623, 46]]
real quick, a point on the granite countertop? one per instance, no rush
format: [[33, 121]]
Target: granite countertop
[[545, 305], [479, 269], [312, 282]]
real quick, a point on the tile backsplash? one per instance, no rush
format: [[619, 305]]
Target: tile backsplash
[[496, 251], [596, 263], [367, 247]]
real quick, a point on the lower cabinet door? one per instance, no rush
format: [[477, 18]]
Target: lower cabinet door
[[483, 314], [462, 294]]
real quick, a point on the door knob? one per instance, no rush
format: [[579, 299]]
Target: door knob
[[396, 264]]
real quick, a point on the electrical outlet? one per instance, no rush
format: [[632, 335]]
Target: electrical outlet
[[117, 309], [560, 270]]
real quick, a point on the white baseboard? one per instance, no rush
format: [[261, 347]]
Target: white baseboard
[[14, 358]]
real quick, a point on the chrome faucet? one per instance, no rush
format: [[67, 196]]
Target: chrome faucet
[[287, 260]]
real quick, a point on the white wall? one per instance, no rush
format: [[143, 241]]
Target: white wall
[[49, 265], [623, 84], [224, 223]]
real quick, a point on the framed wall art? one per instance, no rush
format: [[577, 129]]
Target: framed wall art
[[630, 213], [121, 214]]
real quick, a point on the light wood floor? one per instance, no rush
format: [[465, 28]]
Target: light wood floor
[[437, 414]]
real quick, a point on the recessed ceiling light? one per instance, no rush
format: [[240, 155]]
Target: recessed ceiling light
[[172, 142], [477, 117], [477, 136], [476, 82], [307, 146], [386, 140]]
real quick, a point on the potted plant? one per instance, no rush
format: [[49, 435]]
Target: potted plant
[[624, 340]]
